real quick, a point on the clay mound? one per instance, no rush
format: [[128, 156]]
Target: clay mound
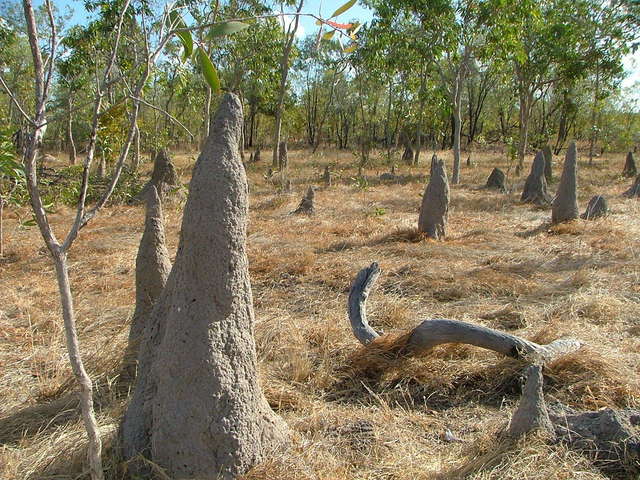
[[565, 205], [496, 180], [596, 208], [535, 187], [434, 210]]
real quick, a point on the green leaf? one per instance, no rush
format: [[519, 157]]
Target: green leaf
[[208, 70], [328, 35], [344, 8], [185, 37], [29, 223], [227, 28]]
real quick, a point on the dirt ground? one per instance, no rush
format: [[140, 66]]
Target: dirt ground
[[353, 415]]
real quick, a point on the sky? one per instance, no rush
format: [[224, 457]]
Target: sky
[[359, 12]]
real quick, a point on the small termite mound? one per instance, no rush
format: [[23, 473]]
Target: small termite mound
[[596, 208], [306, 206], [497, 180]]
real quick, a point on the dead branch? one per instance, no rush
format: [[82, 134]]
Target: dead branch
[[431, 333]]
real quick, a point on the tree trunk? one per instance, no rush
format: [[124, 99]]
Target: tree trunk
[[72, 145], [593, 138], [457, 126], [207, 116], [84, 382], [135, 164], [284, 72], [1, 227]]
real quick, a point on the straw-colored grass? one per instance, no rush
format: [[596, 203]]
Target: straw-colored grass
[[355, 412]]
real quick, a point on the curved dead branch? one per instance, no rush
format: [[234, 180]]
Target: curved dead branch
[[437, 331]]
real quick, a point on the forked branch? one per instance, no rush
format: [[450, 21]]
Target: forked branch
[[437, 331]]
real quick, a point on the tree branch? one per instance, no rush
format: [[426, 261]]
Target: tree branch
[[431, 333]]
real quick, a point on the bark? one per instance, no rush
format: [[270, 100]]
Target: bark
[[565, 204], [596, 208], [535, 187], [431, 333], [548, 163], [434, 210], [152, 269], [197, 409], [72, 144], [94, 454], [1, 227], [135, 164], [593, 138]]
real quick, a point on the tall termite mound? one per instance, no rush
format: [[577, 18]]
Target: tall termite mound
[[197, 409], [152, 269], [535, 187], [434, 210], [629, 169], [164, 176], [565, 204]]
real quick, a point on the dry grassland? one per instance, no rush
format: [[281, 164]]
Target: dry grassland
[[354, 414]]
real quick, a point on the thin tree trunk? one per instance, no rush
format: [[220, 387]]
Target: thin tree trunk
[[1, 227], [72, 145], [136, 151], [207, 117], [523, 116], [457, 125], [284, 72], [594, 116], [84, 382]]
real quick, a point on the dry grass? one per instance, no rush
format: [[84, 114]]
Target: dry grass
[[355, 413]]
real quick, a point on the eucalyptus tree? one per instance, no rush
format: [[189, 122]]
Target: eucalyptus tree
[[541, 42]]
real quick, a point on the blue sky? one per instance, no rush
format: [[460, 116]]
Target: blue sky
[[631, 62]]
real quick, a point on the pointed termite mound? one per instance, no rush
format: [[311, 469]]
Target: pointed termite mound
[[306, 206], [565, 205], [535, 187], [531, 413], [326, 176], [434, 210], [164, 177], [596, 208], [497, 180], [548, 163], [256, 155], [630, 169], [197, 409], [634, 190], [152, 269]]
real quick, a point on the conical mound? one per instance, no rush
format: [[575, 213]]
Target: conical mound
[[565, 205]]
